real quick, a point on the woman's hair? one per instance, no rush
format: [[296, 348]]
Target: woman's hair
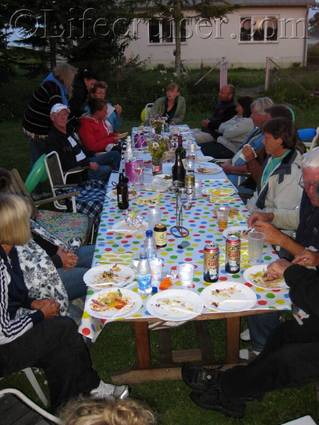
[[245, 102], [283, 111], [96, 105], [98, 85], [261, 104], [281, 128], [172, 86], [5, 181], [65, 73], [101, 412], [15, 215]]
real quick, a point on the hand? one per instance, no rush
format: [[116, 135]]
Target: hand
[[226, 166], [205, 123], [118, 108], [271, 233], [260, 216], [277, 268], [94, 166], [38, 304], [50, 309], [69, 259], [307, 258], [248, 153]]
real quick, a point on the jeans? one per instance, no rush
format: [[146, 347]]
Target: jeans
[[261, 327], [290, 358], [107, 161], [55, 346], [217, 150], [73, 278]]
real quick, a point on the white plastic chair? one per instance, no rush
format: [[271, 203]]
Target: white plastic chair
[[314, 141]]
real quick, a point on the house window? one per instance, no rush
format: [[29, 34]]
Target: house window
[[258, 28], [163, 31]]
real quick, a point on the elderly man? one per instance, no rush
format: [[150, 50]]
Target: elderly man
[[224, 111], [291, 354], [72, 153]]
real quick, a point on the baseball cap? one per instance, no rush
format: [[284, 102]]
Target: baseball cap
[[58, 107]]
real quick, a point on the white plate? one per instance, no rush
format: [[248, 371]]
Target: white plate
[[176, 305], [209, 168], [236, 229], [134, 304], [159, 184], [123, 277], [218, 192], [204, 158], [112, 194], [237, 297], [262, 268]]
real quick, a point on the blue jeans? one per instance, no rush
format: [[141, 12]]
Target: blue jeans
[[261, 327], [107, 161], [73, 278]]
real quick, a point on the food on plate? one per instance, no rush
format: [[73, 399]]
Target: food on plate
[[148, 200], [224, 294], [206, 170], [109, 301], [132, 193], [261, 278], [224, 191], [177, 304], [111, 275]]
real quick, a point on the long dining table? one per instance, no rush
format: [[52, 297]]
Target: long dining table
[[116, 247]]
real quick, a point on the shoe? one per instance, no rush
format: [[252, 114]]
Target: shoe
[[245, 335], [200, 378], [110, 392], [213, 400], [248, 354]]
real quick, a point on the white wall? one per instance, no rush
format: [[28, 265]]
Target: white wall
[[196, 50]]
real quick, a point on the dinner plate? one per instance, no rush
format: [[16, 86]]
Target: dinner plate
[[112, 194], [134, 303], [148, 200], [93, 277], [228, 296], [220, 192], [231, 230], [208, 169], [261, 268], [176, 305], [204, 158]]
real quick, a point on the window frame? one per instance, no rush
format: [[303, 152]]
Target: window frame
[[253, 19], [161, 42]]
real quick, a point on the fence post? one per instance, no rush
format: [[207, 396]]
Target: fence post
[[223, 73], [267, 73]]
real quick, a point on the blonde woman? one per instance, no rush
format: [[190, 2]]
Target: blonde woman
[[39, 337], [55, 88], [119, 412]]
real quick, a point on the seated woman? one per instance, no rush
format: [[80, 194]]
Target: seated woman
[[94, 133], [278, 189], [173, 105], [234, 131], [31, 340]]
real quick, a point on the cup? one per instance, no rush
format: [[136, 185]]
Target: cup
[[255, 246], [222, 218], [156, 265], [186, 274], [153, 217]]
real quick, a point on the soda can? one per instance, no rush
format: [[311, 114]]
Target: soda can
[[211, 263], [232, 259]]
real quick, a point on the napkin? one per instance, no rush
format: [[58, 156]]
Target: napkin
[[123, 227]]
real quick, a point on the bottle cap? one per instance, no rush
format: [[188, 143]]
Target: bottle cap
[[149, 233]]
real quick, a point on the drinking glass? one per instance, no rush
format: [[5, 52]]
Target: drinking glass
[[153, 217], [222, 218], [186, 274], [156, 265], [255, 246], [139, 171]]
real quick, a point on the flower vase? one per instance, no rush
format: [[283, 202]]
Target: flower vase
[[157, 166]]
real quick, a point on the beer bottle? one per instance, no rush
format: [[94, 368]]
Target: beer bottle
[[122, 192]]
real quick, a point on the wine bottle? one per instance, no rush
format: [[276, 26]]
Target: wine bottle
[[178, 170], [122, 192], [180, 147]]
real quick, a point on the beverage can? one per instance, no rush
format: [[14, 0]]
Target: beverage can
[[232, 259], [211, 262], [160, 235]]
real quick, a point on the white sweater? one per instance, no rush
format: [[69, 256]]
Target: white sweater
[[234, 132]]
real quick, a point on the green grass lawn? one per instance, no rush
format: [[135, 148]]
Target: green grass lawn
[[114, 349]]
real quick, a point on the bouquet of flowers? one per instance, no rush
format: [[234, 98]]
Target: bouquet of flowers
[[157, 147], [157, 123]]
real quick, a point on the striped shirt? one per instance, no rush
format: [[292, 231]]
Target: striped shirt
[[10, 329], [36, 118]]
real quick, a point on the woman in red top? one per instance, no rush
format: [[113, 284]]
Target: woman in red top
[[93, 132]]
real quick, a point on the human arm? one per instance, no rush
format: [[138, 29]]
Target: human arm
[[49, 307], [158, 107], [280, 219], [229, 168], [68, 259], [95, 136], [307, 258]]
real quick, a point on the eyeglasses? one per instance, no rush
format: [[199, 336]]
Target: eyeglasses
[[307, 184]]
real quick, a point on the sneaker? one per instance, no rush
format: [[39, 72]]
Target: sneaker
[[109, 391], [214, 400], [200, 378], [245, 335], [248, 354]]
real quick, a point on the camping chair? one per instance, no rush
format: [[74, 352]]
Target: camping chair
[[90, 197], [63, 225], [314, 142], [145, 114]]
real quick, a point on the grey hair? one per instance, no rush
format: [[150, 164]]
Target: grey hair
[[311, 159], [261, 104]]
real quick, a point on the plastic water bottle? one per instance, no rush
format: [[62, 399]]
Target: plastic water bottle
[[144, 276], [149, 245]]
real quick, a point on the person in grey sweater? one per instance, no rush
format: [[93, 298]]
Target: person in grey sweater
[[172, 105]]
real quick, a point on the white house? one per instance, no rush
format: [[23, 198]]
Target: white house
[[256, 30]]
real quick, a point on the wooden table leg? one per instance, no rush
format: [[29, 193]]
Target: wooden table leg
[[142, 344], [232, 340]]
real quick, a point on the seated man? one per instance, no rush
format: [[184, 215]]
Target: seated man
[[223, 111], [71, 152], [173, 105], [94, 133]]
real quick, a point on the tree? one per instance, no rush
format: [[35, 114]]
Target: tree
[[314, 25], [175, 10]]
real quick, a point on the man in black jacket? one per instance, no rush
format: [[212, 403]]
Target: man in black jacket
[[223, 111]]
